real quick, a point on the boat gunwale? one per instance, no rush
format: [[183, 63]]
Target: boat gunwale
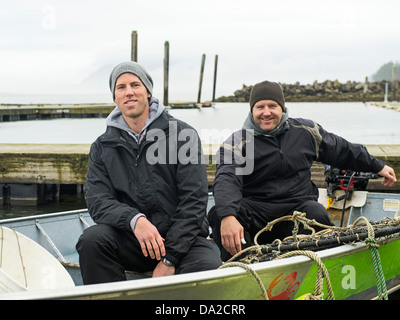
[[122, 288], [43, 216]]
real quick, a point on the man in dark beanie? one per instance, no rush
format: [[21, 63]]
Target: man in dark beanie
[[281, 151], [150, 217], [267, 90]]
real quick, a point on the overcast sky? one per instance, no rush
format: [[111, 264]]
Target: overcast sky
[[53, 46]]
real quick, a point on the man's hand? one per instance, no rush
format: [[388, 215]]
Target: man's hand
[[232, 233], [150, 240], [389, 175], [162, 270]]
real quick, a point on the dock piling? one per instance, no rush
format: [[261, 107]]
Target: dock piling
[[134, 46], [166, 72], [394, 82], [203, 60], [365, 91], [385, 99], [215, 77], [6, 195]]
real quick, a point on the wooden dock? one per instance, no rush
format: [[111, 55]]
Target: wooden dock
[[67, 164], [15, 112], [43, 163], [54, 111], [387, 105], [190, 105]]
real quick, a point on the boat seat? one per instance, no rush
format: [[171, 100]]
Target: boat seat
[[357, 200]]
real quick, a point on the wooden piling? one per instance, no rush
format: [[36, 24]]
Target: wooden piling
[[166, 72], [394, 82], [6, 195], [203, 60], [134, 47], [215, 77], [365, 90], [385, 99]]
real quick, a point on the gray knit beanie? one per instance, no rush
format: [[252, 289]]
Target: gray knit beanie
[[130, 67], [267, 90]]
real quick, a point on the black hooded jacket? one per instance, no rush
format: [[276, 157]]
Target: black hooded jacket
[[126, 178], [282, 164]]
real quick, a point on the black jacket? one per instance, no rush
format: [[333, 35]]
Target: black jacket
[[282, 165], [126, 178]]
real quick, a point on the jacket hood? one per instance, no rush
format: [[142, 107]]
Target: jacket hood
[[249, 123], [116, 120]]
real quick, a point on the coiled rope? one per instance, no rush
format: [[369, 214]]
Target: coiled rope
[[255, 275], [379, 275], [298, 217], [322, 273]]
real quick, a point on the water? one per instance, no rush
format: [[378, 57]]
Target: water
[[357, 122], [65, 203]]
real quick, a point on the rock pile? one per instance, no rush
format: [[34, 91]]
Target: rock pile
[[327, 91]]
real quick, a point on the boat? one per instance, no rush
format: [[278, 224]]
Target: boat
[[354, 270]]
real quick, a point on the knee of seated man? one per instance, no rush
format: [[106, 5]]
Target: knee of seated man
[[315, 210], [202, 256], [96, 235]]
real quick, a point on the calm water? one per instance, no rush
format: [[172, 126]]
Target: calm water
[[357, 122]]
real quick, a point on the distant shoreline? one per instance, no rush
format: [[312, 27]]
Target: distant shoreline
[[327, 91]]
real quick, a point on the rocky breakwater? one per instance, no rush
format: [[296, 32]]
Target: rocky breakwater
[[327, 91]]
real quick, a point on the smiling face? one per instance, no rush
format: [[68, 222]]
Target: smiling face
[[267, 114], [131, 97]]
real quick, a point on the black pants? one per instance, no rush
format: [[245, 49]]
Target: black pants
[[105, 253], [255, 215]]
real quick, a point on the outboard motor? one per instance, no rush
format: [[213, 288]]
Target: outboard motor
[[346, 180]]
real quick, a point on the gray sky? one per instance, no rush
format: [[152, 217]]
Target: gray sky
[[53, 46]]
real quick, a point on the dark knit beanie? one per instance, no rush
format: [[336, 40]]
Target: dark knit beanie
[[267, 90], [130, 67]]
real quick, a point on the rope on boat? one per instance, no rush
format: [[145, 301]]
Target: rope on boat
[[322, 273], [328, 237], [373, 246], [246, 267], [297, 218]]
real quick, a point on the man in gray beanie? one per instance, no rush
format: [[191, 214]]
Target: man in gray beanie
[[149, 215], [134, 68], [283, 150]]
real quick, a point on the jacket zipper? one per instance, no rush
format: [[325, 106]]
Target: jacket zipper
[[126, 147], [140, 150]]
